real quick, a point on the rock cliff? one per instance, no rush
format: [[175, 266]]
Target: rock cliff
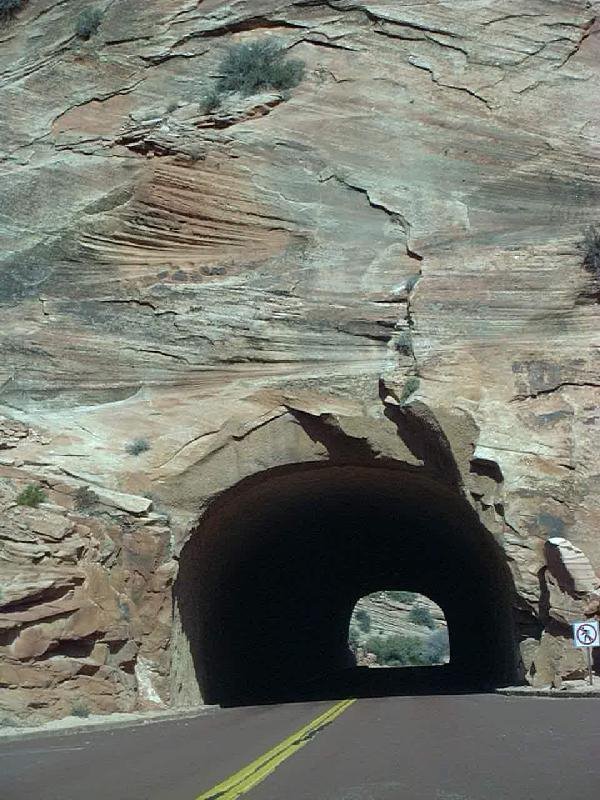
[[391, 246]]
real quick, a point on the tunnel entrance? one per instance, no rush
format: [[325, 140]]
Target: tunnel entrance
[[269, 579], [394, 628]]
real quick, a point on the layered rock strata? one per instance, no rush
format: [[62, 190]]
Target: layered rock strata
[[398, 235]]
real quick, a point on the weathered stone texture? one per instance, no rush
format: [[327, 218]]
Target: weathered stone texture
[[221, 283], [85, 595]]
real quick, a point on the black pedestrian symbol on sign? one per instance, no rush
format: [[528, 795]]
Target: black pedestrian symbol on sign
[[586, 634]]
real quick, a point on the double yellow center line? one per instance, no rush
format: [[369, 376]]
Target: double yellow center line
[[242, 781]]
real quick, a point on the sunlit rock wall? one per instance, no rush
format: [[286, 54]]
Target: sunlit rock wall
[[211, 282]]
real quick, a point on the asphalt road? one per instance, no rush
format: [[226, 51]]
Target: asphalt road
[[477, 747]]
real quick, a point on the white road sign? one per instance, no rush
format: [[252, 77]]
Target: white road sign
[[586, 634]]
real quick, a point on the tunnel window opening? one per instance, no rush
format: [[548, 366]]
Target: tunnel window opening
[[395, 628]]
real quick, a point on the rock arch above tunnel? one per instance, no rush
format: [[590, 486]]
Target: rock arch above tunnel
[[269, 579]]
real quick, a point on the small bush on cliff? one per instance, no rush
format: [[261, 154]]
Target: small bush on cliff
[[31, 496], [363, 620], [410, 387], [211, 101], [398, 651], [421, 615], [250, 67], [591, 251], [137, 446], [88, 23], [412, 282], [84, 498], [437, 648], [402, 597], [404, 343], [8, 8], [195, 152], [125, 610], [80, 709]]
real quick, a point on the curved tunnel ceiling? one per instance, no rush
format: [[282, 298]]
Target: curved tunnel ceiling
[[269, 579]]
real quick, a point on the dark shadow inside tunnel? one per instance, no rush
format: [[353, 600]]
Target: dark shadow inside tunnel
[[269, 579]]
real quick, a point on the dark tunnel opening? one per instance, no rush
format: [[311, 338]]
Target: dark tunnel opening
[[269, 579]]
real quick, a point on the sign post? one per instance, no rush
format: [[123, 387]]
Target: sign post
[[587, 635]]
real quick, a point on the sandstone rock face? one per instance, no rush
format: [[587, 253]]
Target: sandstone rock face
[[253, 288], [85, 596]]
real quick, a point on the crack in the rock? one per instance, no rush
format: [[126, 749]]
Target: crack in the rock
[[457, 48], [511, 16], [570, 467], [44, 596], [156, 351], [143, 303], [156, 60], [30, 70], [406, 228], [327, 44], [395, 216], [516, 450], [186, 445], [99, 99], [414, 63], [259, 423], [48, 9], [556, 388], [412, 26], [426, 38], [256, 23], [73, 147], [142, 143], [112, 42], [586, 31]]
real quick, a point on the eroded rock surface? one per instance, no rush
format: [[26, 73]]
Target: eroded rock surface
[[228, 285]]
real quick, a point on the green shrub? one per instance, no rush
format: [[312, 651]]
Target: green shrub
[[591, 251], [125, 610], [84, 498], [437, 648], [137, 446], [195, 152], [421, 615], [31, 496], [88, 23], [353, 637], [402, 597], [411, 282], [251, 67], [363, 620], [398, 651], [8, 8], [80, 709], [404, 343], [211, 101], [410, 387]]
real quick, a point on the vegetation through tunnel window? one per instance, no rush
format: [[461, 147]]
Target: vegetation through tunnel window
[[393, 628]]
